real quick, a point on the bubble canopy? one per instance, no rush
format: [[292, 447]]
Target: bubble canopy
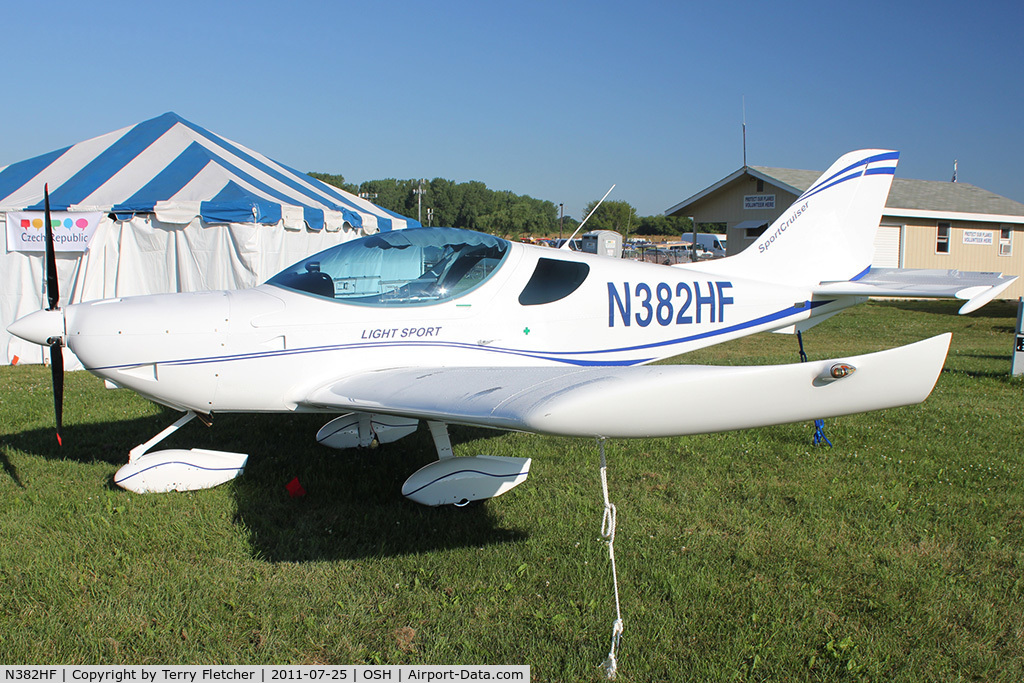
[[410, 267]]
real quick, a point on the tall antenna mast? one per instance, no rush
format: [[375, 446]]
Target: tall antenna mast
[[744, 131], [565, 245]]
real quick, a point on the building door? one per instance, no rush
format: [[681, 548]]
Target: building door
[[887, 247]]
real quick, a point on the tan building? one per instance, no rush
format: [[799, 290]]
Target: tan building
[[926, 224]]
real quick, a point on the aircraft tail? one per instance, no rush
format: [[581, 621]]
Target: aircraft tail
[[828, 233]]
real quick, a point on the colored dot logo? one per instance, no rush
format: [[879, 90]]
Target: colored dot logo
[[37, 223]]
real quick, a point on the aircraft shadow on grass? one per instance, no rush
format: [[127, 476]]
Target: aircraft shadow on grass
[[1002, 313], [352, 505], [1002, 375], [1005, 311], [351, 508], [9, 469]]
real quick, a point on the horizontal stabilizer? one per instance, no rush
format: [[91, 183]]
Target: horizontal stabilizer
[[977, 289], [648, 401]]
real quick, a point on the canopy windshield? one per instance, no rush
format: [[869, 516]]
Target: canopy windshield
[[404, 268]]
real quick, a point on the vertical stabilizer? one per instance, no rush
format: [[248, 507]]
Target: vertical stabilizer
[[829, 232]]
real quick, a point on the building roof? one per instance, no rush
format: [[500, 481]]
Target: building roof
[[793, 179], [906, 197]]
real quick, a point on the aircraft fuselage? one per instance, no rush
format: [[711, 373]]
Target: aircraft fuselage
[[263, 349]]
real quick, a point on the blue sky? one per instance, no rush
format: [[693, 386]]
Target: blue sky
[[555, 100]]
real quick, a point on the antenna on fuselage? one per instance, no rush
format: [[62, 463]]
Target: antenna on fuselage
[[566, 244]]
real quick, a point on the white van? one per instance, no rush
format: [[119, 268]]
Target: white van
[[712, 244]]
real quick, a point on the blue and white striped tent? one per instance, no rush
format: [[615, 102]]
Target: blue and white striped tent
[[177, 208], [177, 171]]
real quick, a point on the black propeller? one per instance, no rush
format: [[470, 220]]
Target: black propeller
[[53, 298]]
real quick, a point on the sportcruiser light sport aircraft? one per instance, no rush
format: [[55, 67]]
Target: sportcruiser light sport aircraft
[[457, 327]]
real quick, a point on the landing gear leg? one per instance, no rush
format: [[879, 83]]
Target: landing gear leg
[[140, 450], [443, 444]]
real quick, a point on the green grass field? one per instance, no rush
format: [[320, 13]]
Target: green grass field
[[897, 555]]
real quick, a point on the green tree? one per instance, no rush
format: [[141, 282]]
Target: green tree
[[569, 225], [474, 198], [472, 205], [391, 194], [336, 180], [618, 216], [442, 197], [664, 225]]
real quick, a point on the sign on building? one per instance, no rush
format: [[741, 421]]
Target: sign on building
[[759, 201], [978, 237]]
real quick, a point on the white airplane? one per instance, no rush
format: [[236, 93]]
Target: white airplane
[[456, 327]]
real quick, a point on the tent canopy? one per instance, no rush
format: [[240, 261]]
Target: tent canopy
[[178, 171]]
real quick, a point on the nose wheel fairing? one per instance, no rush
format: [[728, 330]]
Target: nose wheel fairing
[[177, 469]]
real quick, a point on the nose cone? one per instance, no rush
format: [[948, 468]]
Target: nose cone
[[39, 327]]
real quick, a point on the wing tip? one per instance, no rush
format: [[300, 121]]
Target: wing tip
[[981, 298]]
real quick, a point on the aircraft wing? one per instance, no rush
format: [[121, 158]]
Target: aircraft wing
[[976, 288], [648, 401]]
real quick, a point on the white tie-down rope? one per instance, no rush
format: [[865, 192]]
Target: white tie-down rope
[[608, 533]]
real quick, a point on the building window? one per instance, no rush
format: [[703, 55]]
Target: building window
[[754, 233], [942, 239], [1005, 241]]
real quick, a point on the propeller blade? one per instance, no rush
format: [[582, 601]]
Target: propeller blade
[[57, 372], [53, 298], [52, 289]]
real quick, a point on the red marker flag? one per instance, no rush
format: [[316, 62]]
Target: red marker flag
[[295, 489]]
